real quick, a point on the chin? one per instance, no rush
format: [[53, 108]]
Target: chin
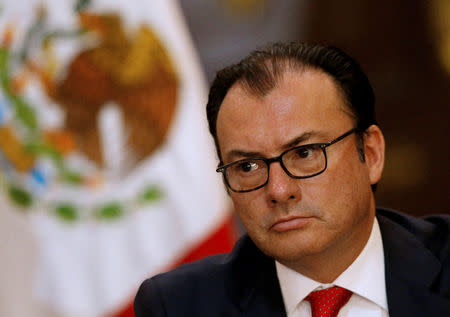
[[290, 246]]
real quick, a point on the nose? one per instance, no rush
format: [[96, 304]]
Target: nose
[[282, 188]]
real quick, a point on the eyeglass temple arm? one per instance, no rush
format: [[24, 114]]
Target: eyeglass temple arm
[[343, 136]]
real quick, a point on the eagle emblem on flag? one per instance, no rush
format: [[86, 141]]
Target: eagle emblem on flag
[[81, 107]]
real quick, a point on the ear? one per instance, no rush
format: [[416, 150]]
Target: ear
[[374, 150]]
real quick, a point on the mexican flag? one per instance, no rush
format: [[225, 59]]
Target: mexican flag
[[107, 171]]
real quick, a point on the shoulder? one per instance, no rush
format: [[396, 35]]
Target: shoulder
[[433, 231], [425, 223], [194, 286], [155, 295], [417, 262]]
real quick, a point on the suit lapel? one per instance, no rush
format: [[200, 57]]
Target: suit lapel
[[410, 271], [255, 288]]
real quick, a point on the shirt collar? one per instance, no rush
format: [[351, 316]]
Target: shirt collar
[[365, 276]]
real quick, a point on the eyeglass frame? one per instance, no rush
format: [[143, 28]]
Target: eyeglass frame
[[268, 161]]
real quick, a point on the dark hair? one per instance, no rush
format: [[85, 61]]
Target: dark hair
[[260, 72]]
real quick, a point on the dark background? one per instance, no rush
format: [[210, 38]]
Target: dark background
[[401, 46]]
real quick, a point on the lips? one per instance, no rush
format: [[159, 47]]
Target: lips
[[290, 223]]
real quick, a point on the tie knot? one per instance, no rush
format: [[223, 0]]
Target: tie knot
[[328, 302]]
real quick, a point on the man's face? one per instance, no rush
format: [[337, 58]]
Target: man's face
[[290, 219]]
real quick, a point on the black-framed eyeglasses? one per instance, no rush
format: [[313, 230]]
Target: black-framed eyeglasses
[[302, 161]]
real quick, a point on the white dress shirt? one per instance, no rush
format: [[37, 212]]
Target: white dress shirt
[[364, 277]]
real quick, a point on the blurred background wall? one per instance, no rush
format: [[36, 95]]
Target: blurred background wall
[[402, 45]]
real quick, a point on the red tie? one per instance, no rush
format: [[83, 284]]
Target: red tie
[[328, 302]]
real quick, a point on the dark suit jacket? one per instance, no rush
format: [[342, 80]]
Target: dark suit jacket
[[244, 282]]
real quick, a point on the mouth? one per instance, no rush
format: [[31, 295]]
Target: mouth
[[290, 223]]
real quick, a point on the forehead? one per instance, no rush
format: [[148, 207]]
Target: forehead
[[301, 102]]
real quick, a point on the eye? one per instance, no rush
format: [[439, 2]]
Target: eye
[[248, 166], [304, 152]]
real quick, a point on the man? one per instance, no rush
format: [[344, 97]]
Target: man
[[301, 154]]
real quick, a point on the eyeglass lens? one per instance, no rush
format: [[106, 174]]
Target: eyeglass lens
[[301, 161]]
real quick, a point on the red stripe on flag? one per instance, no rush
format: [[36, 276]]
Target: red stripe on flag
[[222, 240]]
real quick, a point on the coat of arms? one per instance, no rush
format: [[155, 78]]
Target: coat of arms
[[80, 108]]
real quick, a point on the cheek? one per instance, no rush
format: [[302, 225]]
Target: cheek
[[249, 208], [339, 192]]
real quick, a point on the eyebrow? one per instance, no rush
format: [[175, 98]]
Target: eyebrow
[[292, 143]]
